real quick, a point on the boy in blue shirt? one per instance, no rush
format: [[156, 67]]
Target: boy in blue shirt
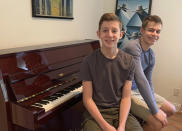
[[158, 109]]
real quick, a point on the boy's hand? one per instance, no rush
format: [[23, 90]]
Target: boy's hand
[[120, 128], [162, 117], [109, 128]]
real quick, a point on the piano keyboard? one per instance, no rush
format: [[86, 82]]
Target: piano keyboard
[[58, 98]]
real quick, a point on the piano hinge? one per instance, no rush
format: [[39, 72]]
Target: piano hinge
[[39, 93]]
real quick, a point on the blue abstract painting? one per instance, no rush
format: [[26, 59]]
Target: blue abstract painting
[[132, 13]]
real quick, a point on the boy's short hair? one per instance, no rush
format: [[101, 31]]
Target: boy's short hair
[[109, 17], [151, 18]]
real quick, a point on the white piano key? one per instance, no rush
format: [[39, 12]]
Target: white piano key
[[62, 99]]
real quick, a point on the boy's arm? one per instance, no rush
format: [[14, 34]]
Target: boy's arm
[[92, 108], [149, 70], [143, 84], [125, 105], [160, 115], [147, 94], [144, 87], [148, 74]]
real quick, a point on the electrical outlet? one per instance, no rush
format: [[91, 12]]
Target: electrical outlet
[[176, 92]]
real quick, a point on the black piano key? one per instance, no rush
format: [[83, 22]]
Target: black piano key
[[69, 89], [37, 104], [49, 98], [72, 87], [66, 91], [62, 92], [43, 102], [52, 99], [54, 96], [76, 86], [58, 95]]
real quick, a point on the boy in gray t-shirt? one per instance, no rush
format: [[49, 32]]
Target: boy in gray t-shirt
[[107, 76]]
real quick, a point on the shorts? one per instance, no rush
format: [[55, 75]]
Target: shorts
[[138, 106], [111, 115]]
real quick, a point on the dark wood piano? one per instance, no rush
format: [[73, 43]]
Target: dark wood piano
[[40, 87]]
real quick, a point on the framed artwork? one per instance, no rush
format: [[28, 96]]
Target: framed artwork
[[53, 8], [132, 13]]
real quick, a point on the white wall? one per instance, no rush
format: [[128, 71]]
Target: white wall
[[168, 73], [18, 28], [109, 5]]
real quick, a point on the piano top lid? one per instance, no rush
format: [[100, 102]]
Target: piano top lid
[[43, 46], [36, 59], [16, 61]]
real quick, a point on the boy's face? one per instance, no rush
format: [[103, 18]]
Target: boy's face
[[151, 33], [109, 34]]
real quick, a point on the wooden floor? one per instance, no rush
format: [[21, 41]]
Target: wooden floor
[[174, 123]]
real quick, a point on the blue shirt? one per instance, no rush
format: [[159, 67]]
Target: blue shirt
[[147, 59]]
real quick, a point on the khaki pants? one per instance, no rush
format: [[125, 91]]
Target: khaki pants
[[138, 106], [111, 115]]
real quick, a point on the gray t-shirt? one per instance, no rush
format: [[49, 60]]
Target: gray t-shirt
[[108, 76]]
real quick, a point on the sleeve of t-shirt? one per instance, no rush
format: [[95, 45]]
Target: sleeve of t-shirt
[[85, 74], [140, 78], [131, 70]]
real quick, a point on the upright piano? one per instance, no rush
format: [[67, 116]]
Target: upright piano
[[40, 88]]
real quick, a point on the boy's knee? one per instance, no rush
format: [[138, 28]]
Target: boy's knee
[[154, 124], [171, 111], [168, 108]]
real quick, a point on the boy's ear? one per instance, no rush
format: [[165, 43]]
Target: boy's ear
[[121, 34], [98, 34], [141, 30]]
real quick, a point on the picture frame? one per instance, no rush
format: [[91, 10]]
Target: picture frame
[[132, 13], [62, 9]]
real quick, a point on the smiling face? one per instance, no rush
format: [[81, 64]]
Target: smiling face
[[151, 33], [109, 34]]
